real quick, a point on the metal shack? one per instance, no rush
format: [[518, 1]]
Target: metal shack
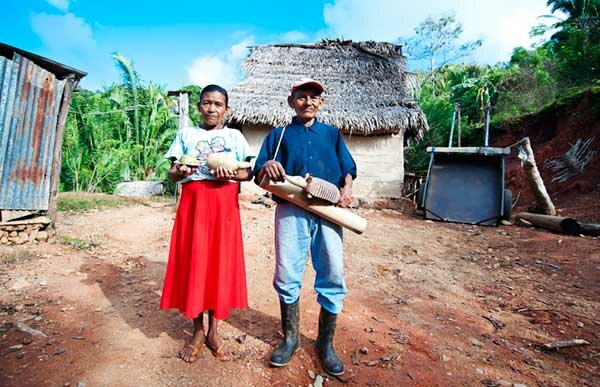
[[35, 94]]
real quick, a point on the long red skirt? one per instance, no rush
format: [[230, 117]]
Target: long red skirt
[[206, 260]]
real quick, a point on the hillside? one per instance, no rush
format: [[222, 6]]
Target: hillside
[[552, 131]]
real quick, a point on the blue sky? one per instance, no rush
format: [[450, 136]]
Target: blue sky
[[183, 42]]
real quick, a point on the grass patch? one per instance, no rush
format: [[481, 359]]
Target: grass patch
[[80, 203], [8, 259], [78, 243]]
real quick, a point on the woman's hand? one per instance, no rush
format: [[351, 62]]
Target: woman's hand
[[180, 171], [223, 173]]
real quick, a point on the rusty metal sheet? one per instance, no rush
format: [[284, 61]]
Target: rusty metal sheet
[[29, 101]]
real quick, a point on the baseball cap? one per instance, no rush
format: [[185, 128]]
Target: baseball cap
[[306, 81]]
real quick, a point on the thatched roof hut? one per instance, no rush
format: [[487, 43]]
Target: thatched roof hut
[[368, 90], [369, 96]]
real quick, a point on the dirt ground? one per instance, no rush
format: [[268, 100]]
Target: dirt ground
[[429, 304]]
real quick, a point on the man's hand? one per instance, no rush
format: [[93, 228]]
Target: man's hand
[[346, 197], [274, 170], [346, 192]]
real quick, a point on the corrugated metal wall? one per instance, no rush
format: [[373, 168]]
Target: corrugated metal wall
[[29, 101]]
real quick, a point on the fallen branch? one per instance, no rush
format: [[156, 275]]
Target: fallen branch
[[565, 344], [591, 229], [33, 332]]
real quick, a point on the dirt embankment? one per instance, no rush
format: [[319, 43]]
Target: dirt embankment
[[552, 132]]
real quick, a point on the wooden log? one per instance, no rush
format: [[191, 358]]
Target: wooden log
[[565, 344], [591, 229], [554, 223], [296, 195], [536, 183]]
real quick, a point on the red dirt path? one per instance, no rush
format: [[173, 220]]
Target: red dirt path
[[419, 296]]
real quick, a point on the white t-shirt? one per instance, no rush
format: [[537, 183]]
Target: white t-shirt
[[201, 143]]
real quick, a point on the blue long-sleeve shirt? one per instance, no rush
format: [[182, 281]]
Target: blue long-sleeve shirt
[[318, 150]]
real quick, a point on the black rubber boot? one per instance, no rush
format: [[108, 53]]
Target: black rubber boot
[[290, 316], [329, 359]]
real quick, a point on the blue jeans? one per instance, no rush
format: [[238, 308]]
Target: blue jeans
[[297, 230]]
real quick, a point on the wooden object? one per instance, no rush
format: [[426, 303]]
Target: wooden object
[[591, 229], [297, 196], [555, 223], [536, 183], [227, 160], [565, 344], [317, 188]]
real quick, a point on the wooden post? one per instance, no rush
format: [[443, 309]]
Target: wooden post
[[184, 109], [536, 183], [70, 84]]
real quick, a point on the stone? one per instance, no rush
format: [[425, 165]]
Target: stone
[[33, 235], [475, 342], [19, 283], [12, 234], [4, 240], [139, 188], [318, 381], [41, 236]]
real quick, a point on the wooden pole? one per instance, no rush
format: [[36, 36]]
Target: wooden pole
[[536, 183], [70, 85], [184, 109]]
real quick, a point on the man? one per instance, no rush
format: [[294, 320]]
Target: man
[[307, 146]]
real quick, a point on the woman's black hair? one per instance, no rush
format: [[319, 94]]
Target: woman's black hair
[[212, 88]]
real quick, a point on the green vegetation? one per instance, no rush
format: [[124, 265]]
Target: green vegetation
[[80, 204], [554, 74], [78, 243], [8, 259], [119, 134]]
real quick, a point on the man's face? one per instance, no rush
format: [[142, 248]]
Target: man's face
[[306, 102]]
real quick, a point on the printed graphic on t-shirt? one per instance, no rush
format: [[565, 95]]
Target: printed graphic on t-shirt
[[206, 148]]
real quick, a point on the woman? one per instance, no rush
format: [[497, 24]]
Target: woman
[[205, 271]]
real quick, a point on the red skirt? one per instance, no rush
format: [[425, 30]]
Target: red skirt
[[206, 268]]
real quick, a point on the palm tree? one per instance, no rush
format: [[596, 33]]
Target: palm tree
[[581, 12]]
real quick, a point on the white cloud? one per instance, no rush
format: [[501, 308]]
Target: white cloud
[[63, 5], [502, 25], [293, 37], [222, 68], [64, 34]]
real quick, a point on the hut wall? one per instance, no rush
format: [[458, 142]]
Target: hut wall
[[379, 159], [380, 164]]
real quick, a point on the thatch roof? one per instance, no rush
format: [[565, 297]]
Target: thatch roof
[[367, 88]]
